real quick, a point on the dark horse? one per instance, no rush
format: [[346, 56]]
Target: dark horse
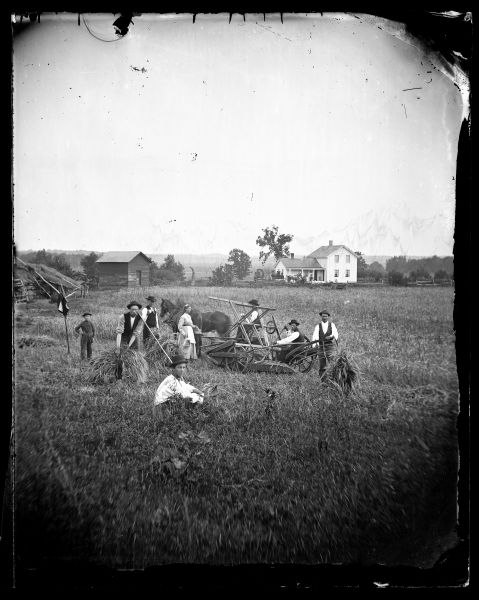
[[208, 321]]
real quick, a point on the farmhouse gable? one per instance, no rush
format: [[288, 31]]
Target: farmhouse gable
[[327, 263]]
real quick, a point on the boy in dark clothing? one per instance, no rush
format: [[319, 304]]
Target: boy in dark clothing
[[86, 330]]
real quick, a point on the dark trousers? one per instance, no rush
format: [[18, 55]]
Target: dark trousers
[[325, 356], [125, 339], [85, 346]]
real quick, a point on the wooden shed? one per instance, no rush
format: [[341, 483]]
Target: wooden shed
[[123, 269]]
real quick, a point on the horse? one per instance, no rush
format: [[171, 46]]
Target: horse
[[208, 321]]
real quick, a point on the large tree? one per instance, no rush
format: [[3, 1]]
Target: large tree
[[56, 261], [90, 268], [241, 263], [362, 265], [222, 275], [277, 243], [398, 264], [170, 270]]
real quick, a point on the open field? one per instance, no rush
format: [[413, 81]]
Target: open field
[[322, 478]]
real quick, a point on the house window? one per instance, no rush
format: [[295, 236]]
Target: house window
[[347, 272], [348, 258], [336, 273], [336, 258]]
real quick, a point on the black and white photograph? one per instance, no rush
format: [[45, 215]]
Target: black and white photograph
[[240, 248]]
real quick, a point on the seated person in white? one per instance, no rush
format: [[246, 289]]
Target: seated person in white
[[174, 385]]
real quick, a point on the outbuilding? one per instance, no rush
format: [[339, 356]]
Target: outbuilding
[[123, 269]]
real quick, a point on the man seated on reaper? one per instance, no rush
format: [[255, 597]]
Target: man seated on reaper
[[294, 337]]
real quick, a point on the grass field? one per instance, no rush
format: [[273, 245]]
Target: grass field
[[369, 478]]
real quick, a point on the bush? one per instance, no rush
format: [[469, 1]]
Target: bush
[[396, 278]]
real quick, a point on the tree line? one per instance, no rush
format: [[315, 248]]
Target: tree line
[[399, 269]]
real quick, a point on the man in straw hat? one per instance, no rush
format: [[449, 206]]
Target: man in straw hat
[[175, 385], [150, 319], [326, 334], [129, 328], [293, 337], [86, 330]]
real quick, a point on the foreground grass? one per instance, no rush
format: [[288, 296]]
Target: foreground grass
[[314, 478]]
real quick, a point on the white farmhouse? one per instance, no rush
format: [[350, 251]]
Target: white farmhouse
[[335, 263]]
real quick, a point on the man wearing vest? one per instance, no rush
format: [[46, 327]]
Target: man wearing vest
[[326, 334], [150, 319], [289, 342], [129, 328]]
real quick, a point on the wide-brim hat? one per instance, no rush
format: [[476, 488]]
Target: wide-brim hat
[[151, 298], [178, 359], [253, 302], [86, 313], [325, 312], [293, 322], [133, 303]]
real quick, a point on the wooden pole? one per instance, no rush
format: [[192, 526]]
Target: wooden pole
[[66, 332], [65, 318]]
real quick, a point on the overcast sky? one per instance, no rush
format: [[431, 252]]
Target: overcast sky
[[191, 138]]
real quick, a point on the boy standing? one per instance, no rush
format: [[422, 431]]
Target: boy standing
[[86, 330]]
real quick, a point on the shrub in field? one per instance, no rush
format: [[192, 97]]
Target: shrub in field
[[39, 340], [396, 278], [342, 371]]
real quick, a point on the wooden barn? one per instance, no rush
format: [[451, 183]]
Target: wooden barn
[[123, 269]]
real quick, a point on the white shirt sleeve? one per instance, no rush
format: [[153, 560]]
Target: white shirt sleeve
[[167, 388], [334, 331], [290, 339], [315, 334], [120, 326]]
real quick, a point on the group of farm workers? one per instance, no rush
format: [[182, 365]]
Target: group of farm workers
[[135, 327]]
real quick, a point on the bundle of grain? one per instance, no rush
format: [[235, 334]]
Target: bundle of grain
[[130, 366], [39, 340], [159, 349], [342, 371]]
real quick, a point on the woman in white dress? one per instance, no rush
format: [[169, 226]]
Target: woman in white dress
[[186, 336]]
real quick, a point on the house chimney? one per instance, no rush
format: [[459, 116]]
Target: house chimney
[[330, 242], [292, 255]]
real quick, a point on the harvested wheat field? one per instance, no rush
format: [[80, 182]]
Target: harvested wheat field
[[358, 469]]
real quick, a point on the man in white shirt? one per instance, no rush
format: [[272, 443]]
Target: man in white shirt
[[175, 387], [129, 328], [326, 334], [289, 342], [150, 319]]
